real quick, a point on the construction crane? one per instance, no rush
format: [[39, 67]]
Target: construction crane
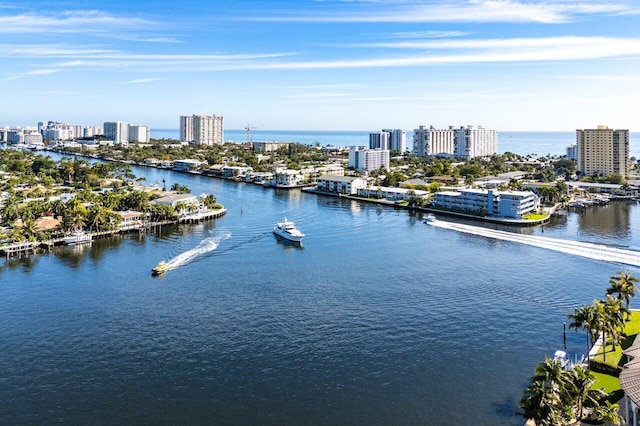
[[248, 129]]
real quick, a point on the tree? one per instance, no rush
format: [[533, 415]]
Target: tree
[[545, 399], [623, 284], [584, 318]]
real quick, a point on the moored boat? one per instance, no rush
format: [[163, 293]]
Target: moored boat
[[78, 237], [288, 231]]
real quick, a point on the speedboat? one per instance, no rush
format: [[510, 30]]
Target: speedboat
[[77, 237], [160, 268], [288, 231], [429, 218]]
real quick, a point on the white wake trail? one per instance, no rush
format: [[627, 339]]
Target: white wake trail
[[205, 246], [589, 250]]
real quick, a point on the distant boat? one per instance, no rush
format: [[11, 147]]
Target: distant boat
[[160, 268], [288, 231], [78, 237], [429, 218]]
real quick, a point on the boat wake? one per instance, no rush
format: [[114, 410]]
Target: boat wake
[[578, 248], [207, 245]]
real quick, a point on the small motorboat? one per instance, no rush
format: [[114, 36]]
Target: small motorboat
[[160, 268], [430, 218]]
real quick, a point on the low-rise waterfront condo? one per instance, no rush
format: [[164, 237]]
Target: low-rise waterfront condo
[[202, 129], [491, 203], [603, 151]]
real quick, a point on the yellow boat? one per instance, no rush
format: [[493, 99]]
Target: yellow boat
[[160, 268]]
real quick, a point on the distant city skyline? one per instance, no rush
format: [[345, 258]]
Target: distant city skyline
[[510, 65]]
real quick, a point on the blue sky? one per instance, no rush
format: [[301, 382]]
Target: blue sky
[[551, 65]]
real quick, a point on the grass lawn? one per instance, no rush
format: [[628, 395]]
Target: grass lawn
[[631, 329], [605, 382], [535, 216], [609, 383]]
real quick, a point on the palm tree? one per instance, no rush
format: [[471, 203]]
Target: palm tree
[[623, 284], [546, 398], [609, 413], [584, 318], [580, 382]]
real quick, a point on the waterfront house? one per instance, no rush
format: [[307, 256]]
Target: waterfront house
[[234, 171], [186, 165], [391, 193], [340, 184], [491, 203], [130, 219], [174, 199]]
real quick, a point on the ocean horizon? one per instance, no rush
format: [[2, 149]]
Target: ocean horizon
[[519, 142]]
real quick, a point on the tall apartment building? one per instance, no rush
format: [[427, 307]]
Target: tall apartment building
[[431, 141], [139, 134], [572, 152], [202, 129], [366, 160], [397, 139], [379, 140], [472, 142], [117, 131], [603, 150]]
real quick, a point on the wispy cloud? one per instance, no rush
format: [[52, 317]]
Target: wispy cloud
[[420, 53], [549, 11], [140, 81], [69, 22]]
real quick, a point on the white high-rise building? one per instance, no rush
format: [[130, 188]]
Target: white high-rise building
[[379, 140], [397, 139], [139, 134], [603, 150], [117, 131], [202, 129], [366, 160], [472, 142], [431, 141]]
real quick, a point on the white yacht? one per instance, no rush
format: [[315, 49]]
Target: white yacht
[[78, 237], [288, 230]]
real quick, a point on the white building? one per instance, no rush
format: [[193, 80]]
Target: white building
[[287, 178], [366, 160], [397, 139], [202, 129], [472, 142], [499, 204], [139, 134], [379, 140], [186, 165], [117, 131], [341, 184], [269, 146], [431, 141], [572, 152], [391, 193]]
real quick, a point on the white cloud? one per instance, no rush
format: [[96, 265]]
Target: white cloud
[[455, 11], [140, 81], [68, 22]]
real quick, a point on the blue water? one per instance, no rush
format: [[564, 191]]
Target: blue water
[[377, 319], [524, 143]]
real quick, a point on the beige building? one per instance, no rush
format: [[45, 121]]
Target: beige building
[[202, 129], [603, 150]]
